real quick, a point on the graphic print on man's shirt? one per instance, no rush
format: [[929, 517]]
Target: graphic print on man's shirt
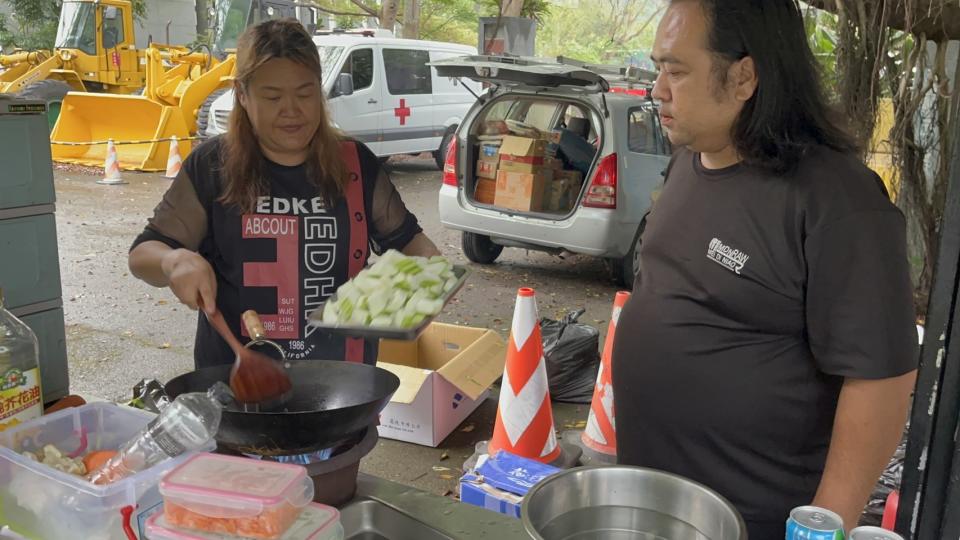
[[289, 273], [726, 256]]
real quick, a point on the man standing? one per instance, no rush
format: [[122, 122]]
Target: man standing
[[769, 349]]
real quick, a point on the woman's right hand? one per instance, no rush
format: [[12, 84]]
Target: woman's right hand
[[191, 278]]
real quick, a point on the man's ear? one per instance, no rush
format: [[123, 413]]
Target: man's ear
[[744, 76]]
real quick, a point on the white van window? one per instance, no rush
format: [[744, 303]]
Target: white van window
[[407, 71], [328, 59], [360, 65]]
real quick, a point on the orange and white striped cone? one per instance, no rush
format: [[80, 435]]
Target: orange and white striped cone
[[524, 425], [601, 432], [111, 167], [599, 439], [173, 158]]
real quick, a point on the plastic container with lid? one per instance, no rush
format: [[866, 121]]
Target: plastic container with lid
[[42, 503], [316, 522], [235, 496]]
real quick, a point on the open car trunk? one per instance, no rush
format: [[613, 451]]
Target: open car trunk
[[531, 154]]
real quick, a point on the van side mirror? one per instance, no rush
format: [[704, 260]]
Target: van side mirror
[[344, 86]]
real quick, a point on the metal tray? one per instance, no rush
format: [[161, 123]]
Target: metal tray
[[382, 332]]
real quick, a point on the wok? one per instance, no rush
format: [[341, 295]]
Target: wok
[[331, 401]]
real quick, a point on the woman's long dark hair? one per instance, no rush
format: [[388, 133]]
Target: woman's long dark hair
[[788, 113], [243, 162]]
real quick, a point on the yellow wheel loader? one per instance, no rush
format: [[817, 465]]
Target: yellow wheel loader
[[119, 92], [95, 51]]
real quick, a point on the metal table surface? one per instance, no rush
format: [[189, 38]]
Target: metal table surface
[[452, 518]]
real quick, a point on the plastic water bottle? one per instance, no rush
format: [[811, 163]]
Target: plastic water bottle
[[187, 424]]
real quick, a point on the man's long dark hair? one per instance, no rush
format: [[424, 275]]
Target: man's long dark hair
[[788, 113]]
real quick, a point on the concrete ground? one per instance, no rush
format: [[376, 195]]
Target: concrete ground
[[120, 329]]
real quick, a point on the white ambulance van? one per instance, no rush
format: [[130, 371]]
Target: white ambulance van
[[382, 92]]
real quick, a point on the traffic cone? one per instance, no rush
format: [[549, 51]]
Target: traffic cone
[[111, 167], [524, 425], [599, 439], [173, 158]]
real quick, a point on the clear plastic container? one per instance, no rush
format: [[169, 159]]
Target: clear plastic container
[[316, 522], [42, 503], [235, 496]]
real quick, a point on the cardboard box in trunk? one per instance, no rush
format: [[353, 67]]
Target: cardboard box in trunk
[[559, 195], [488, 168], [444, 376], [523, 146], [522, 191], [529, 164], [485, 191]]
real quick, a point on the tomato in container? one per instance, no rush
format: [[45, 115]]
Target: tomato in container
[[235, 496]]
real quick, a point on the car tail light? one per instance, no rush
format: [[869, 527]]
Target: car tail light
[[450, 163], [602, 192]]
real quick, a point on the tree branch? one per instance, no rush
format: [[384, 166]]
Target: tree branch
[[343, 13], [370, 11], [936, 19]]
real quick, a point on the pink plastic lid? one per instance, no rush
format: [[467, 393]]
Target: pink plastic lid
[[316, 522], [227, 486]]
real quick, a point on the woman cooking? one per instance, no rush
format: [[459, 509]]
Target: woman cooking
[[277, 213]]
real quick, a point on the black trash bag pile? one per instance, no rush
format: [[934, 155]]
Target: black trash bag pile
[[889, 481], [571, 351]]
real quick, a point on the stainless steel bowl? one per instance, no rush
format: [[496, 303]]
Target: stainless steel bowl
[[627, 503]]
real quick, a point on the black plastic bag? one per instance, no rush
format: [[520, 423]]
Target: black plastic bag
[[571, 351]]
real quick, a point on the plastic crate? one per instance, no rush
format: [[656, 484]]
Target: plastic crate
[[45, 504]]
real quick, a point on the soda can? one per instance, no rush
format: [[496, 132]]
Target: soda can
[[813, 523], [873, 533]]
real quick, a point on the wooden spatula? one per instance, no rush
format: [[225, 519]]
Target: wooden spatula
[[255, 377]]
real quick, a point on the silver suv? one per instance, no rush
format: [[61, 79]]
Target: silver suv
[[607, 135]]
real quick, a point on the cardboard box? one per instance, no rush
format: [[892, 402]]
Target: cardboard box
[[523, 146], [444, 376], [513, 166], [575, 177], [485, 191], [488, 168], [490, 150], [521, 191], [558, 196]]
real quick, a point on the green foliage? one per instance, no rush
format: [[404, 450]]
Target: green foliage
[[600, 31], [32, 24], [452, 21]]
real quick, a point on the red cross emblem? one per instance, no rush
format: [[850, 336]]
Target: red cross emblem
[[402, 112]]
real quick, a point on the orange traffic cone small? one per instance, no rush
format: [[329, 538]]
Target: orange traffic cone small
[[111, 167], [524, 425], [173, 158], [599, 439]]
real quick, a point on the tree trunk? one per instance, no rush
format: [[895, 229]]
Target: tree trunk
[[388, 14], [411, 19], [511, 8]]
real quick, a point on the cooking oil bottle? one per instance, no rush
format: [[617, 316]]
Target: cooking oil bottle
[[20, 398]]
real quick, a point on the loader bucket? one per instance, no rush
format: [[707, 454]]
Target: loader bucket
[[95, 118]]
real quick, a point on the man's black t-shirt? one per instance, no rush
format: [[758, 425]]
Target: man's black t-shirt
[[287, 256], [757, 295]]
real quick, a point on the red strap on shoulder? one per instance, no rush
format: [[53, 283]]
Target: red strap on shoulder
[[359, 239]]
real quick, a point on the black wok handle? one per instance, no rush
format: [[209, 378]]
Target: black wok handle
[[251, 320]]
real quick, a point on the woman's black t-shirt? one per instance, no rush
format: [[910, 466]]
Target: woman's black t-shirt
[[287, 256]]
